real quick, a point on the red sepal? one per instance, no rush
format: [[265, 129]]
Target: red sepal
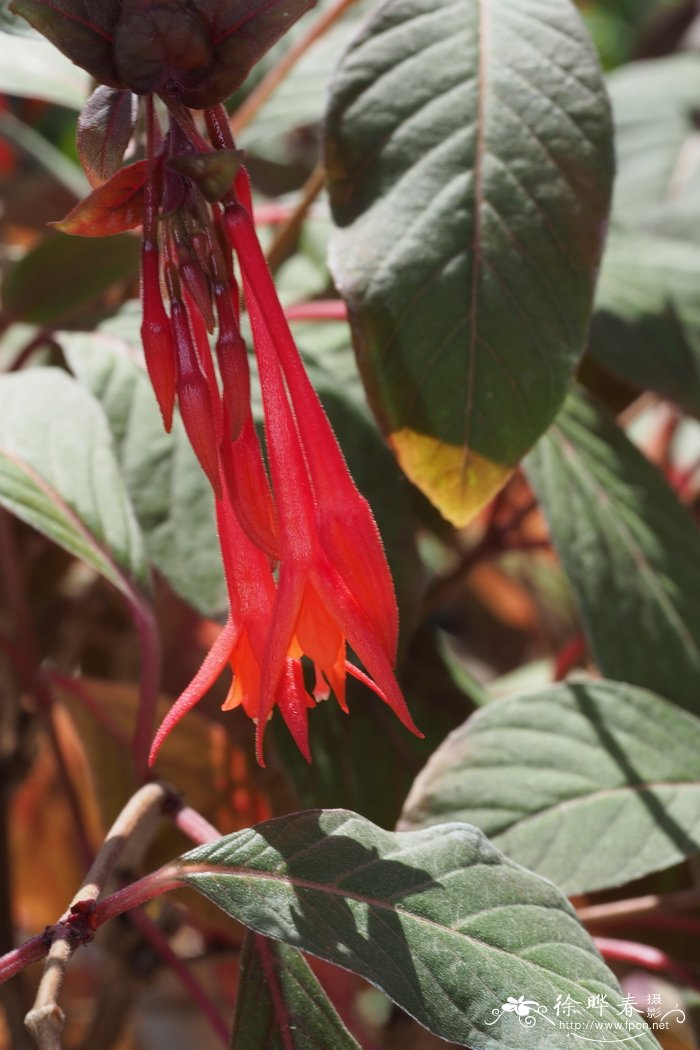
[[115, 206]]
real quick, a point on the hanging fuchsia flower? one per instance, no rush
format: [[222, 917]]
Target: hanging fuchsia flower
[[305, 569]]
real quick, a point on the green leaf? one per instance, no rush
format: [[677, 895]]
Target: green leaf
[[34, 68], [589, 784], [469, 173], [59, 473], [171, 496], [64, 273], [629, 549], [439, 919], [646, 325], [655, 106], [280, 1005]]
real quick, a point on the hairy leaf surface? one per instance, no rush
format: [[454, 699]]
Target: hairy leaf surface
[[629, 549], [590, 784], [59, 473], [646, 325], [439, 919], [469, 162], [171, 496], [280, 1004]]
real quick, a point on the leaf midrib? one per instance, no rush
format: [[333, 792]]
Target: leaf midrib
[[328, 890], [572, 802], [115, 573]]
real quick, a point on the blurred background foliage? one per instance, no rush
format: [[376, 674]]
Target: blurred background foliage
[[485, 611]]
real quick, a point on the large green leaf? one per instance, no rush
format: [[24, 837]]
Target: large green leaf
[[171, 495], [59, 473], [591, 784], [655, 111], [629, 549], [469, 170], [32, 67], [280, 1005], [63, 273], [439, 919], [646, 325]]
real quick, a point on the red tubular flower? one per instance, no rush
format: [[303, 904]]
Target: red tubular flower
[[334, 587], [321, 599], [248, 489], [346, 525], [242, 644]]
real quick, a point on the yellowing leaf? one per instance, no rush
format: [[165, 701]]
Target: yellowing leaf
[[458, 482]]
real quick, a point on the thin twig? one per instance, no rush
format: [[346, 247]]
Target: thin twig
[[269, 84], [287, 235], [45, 1019], [635, 907], [150, 801]]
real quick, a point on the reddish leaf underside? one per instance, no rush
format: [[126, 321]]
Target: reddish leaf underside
[[105, 127], [112, 208]]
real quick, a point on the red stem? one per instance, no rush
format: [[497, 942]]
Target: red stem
[[569, 656], [647, 957], [272, 214], [140, 892], [267, 961], [318, 310], [137, 893], [195, 826], [16, 960]]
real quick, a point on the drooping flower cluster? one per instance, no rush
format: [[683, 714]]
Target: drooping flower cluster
[[303, 560]]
